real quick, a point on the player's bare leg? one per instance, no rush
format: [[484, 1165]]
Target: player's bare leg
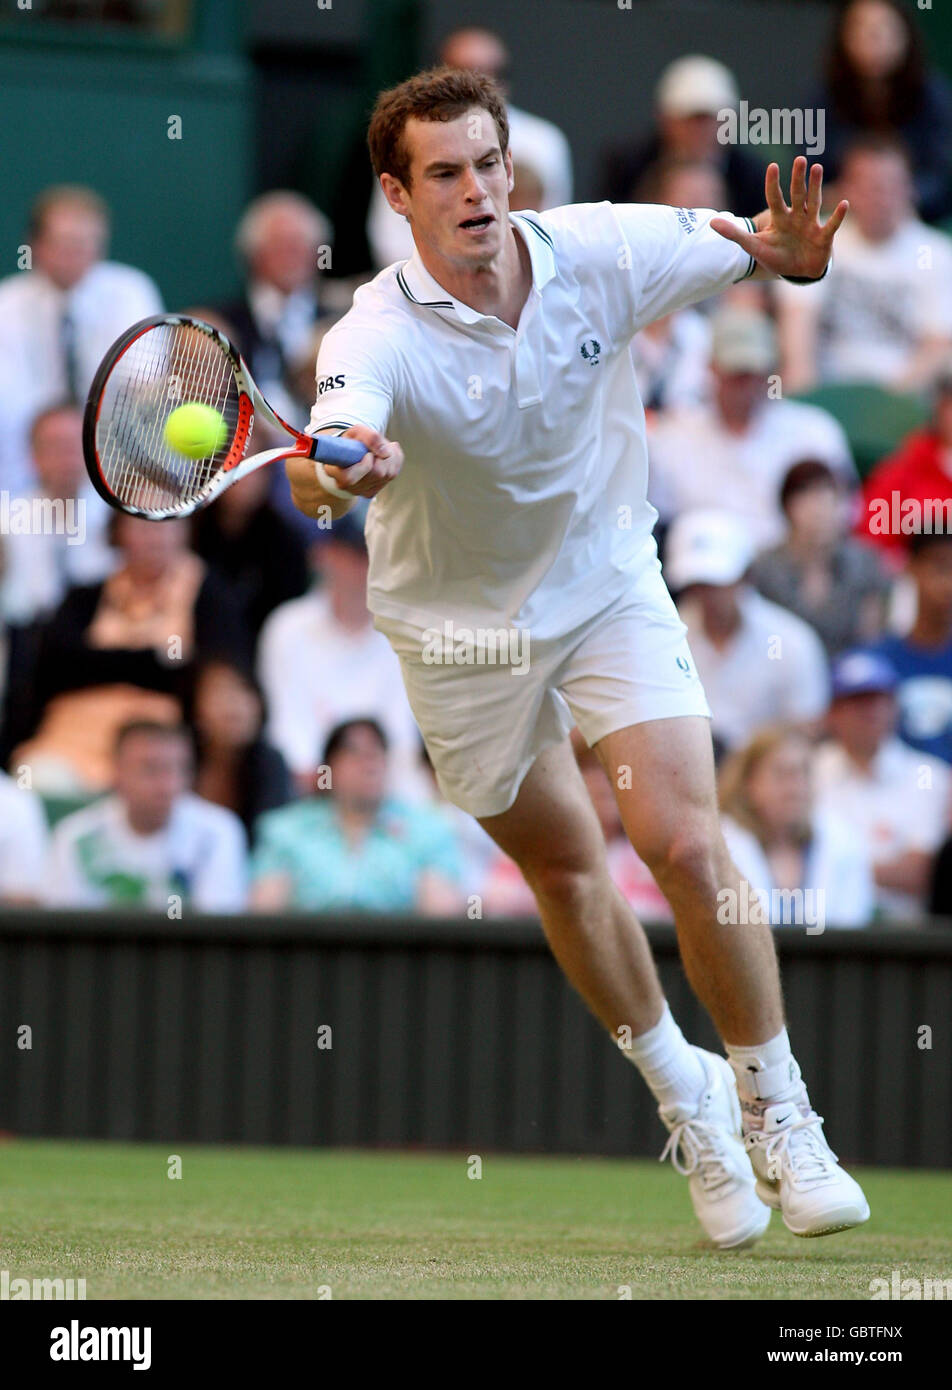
[[553, 834], [663, 775], [670, 815]]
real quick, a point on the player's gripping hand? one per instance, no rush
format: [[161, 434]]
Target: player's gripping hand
[[379, 466]]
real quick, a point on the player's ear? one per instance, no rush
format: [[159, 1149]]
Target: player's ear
[[395, 193]]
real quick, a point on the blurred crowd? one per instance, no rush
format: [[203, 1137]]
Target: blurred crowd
[[201, 713]]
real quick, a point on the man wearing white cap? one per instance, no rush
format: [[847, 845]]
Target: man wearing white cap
[[735, 451], [689, 97], [758, 662]]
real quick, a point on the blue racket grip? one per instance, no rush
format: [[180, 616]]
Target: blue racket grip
[[343, 453]]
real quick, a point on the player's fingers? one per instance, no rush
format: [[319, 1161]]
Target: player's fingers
[[798, 184], [774, 192], [731, 232], [835, 220], [352, 475], [373, 439], [815, 192]]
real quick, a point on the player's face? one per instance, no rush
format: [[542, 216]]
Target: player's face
[[458, 199]]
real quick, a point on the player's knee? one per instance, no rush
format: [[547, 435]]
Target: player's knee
[[688, 864], [569, 878]]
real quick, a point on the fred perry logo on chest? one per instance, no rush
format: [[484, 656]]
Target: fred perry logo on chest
[[590, 349]]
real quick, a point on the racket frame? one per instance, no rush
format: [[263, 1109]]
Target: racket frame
[[251, 402]]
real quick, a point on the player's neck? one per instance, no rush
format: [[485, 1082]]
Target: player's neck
[[500, 288]]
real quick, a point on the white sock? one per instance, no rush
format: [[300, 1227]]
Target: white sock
[[668, 1063], [766, 1073]]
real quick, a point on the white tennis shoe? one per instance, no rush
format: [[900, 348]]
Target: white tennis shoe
[[798, 1175], [706, 1147]]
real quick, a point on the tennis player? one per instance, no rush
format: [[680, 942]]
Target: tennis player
[[512, 567]]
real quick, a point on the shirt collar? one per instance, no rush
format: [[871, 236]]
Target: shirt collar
[[418, 284]]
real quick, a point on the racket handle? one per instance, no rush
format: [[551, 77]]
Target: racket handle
[[343, 453]]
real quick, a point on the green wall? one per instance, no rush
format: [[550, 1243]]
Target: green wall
[[98, 113]]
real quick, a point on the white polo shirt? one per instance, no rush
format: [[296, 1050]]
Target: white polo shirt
[[522, 501]]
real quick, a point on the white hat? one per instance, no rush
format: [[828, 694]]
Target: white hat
[[706, 547], [695, 86], [742, 340]]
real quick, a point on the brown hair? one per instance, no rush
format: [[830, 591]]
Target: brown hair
[[738, 768], [440, 94], [73, 194]]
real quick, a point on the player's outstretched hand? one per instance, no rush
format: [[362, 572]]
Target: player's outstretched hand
[[790, 240]]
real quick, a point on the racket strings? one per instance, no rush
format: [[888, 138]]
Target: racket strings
[[168, 366]]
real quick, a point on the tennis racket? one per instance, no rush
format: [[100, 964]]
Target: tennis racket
[[156, 366]]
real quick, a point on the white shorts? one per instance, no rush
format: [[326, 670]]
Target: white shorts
[[484, 725]]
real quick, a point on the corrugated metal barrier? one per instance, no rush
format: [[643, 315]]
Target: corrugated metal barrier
[[447, 1034]]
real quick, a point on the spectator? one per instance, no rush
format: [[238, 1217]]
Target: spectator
[[58, 318], [152, 841], [784, 845], [689, 97], [353, 849], [896, 800], [902, 493], [734, 452], [282, 241], [320, 661], [877, 82], [757, 662], [833, 582], [69, 545], [23, 844], [125, 649], [884, 312], [246, 539], [923, 656], [236, 767], [538, 148]]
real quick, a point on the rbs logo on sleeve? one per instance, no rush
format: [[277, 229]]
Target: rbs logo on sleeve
[[330, 383]]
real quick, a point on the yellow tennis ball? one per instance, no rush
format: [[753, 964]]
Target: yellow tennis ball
[[195, 430]]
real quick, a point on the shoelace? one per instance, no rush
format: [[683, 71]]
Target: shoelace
[[810, 1156], [702, 1146]]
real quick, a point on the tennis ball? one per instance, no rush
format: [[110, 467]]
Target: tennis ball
[[195, 430]]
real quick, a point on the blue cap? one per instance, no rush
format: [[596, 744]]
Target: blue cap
[[862, 673]]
